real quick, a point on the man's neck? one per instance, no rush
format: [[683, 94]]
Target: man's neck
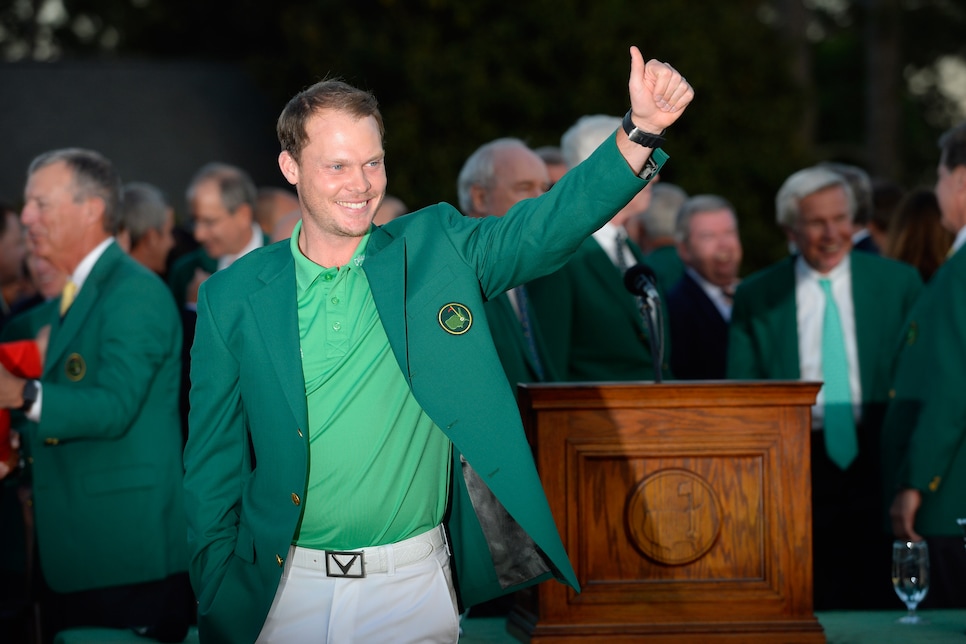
[[329, 251]]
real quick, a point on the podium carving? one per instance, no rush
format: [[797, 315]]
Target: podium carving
[[685, 508]]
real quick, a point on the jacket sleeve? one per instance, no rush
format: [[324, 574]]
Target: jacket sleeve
[[217, 460]]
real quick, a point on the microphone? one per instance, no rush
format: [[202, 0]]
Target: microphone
[[641, 282]]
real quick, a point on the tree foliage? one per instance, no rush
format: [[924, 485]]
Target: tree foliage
[[453, 74]]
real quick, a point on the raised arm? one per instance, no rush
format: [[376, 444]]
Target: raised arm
[[659, 95]]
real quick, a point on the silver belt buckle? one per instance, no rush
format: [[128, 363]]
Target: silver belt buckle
[[345, 563]]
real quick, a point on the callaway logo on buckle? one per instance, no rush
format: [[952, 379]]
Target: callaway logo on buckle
[[350, 563]]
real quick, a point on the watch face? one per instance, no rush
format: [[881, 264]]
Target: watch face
[[29, 394]]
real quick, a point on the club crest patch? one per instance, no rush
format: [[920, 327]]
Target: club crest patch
[[455, 318], [75, 367]]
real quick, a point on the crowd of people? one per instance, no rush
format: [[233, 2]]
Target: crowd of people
[[248, 421]]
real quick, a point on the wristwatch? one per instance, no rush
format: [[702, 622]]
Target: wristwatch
[[640, 136], [31, 389]]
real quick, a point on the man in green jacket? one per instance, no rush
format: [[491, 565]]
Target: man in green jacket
[[591, 325], [356, 464], [780, 322], [104, 442], [494, 178], [924, 435]]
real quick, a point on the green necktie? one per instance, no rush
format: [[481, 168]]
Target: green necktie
[[840, 440]]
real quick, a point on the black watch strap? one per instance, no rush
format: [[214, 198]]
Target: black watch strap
[[640, 136], [31, 389]]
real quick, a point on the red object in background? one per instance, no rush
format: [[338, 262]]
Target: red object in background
[[22, 359]]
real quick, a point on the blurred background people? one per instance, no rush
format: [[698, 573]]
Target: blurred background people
[[653, 230], [917, 235], [103, 433], [553, 158], [699, 305], [831, 315], [148, 223], [590, 323], [495, 177], [861, 185], [271, 204], [886, 195], [221, 202], [13, 279], [390, 208]]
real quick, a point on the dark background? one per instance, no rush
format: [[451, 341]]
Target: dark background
[[163, 86]]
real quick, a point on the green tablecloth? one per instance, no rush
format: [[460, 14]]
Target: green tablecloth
[[880, 627], [841, 627]]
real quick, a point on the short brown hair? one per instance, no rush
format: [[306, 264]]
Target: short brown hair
[[325, 95]]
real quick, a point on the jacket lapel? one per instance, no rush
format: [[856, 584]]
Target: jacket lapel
[[784, 311], [64, 330], [385, 269], [610, 279], [276, 315], [865, 293]]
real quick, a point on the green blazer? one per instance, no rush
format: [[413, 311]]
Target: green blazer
[[106, 454], [924, 435], [248, 401], [763, 338], [183, 271], [511, 344], [667, 266], [591, 324]]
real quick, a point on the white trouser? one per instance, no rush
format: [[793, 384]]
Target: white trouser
[[407, 595]]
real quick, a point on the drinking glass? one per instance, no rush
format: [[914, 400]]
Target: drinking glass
[[910, 576]]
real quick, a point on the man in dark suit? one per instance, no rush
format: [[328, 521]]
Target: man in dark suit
[[104, 445], [924, 435], [591, 324], [829, 314], [347, 398], [493, 179], [699, 305]]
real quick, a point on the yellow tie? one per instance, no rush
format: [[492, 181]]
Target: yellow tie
[[67, 296]]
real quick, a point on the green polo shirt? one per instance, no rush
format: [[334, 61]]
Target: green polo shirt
[[378, 466]]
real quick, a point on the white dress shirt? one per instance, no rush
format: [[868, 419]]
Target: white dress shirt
[[606, 236], [715, 293], [78, 277], [810, 305]]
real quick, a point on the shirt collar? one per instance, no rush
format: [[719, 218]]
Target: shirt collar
[[83, 270], [805, 272], [307, 271], [960, 239]]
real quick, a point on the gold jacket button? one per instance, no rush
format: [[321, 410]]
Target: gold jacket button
[[295, 498], [280, 561], [934, 484], [51, 441], [892, 393], [300, 432]]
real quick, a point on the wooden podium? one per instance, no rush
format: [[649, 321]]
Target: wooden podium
[[685, 508]]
